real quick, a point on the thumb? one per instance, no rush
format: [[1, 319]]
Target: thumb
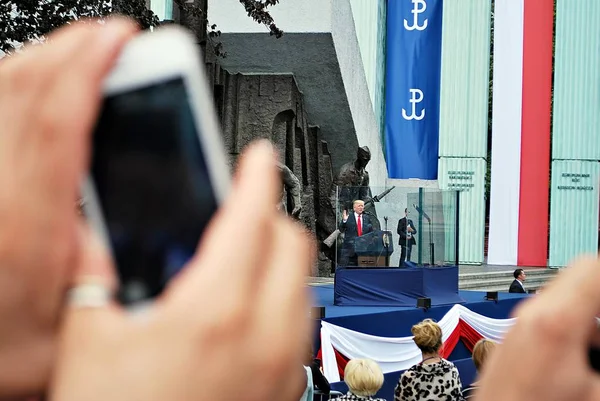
[[92, 321], [92, 286], [89, 302]]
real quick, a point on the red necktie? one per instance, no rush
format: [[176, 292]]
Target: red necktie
[[359, 227]]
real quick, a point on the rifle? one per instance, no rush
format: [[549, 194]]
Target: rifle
[[329, 241], [379, 197]]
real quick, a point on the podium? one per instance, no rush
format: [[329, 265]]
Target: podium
[[374, 249]]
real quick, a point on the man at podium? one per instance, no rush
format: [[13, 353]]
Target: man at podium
[[353, 225]]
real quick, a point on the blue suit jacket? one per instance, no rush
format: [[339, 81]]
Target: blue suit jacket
[[350, 227]]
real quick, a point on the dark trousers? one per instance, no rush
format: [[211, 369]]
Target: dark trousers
[[405, 254]]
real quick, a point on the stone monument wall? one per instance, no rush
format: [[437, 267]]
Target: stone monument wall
[[253, 106]]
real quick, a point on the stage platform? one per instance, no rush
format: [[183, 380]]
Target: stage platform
[[396, 287], [397, 322], [484, 277]]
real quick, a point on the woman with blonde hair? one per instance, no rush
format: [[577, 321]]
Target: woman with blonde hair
[[364, 378], [434, 378], [481, 352]]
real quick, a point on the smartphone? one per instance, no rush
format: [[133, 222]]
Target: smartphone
[[158, 167], [594, 358]]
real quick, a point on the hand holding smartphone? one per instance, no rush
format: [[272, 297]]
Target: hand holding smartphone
[[158, 170]]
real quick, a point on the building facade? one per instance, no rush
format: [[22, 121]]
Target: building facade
[[535, 183]]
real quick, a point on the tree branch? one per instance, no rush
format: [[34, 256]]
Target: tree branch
[[23, 21], [257, 10]]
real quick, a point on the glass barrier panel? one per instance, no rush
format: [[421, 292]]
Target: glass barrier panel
[[394, 227]]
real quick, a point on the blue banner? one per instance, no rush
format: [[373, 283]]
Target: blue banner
[[414, 58]]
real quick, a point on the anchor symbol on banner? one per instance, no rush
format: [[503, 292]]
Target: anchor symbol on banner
[[416, 97], [419, 6]]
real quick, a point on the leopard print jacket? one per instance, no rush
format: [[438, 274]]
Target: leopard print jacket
[[435, 382]]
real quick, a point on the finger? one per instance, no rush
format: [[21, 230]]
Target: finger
[[96, 57], [43, 66], [284, 302], [595, 336], [34, 70], [81, 37], [237, 170], [84, 338], [231, 251], [61, 103], [61, 45], [571, 301], [94, 269], [284, 297], [293, 386], [594, 390], [89, 301], [95, 261], [70, 106], [76, 89]]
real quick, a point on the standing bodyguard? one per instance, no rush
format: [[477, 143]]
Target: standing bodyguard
[[406, 237]]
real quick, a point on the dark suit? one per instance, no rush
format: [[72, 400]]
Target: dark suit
[[516, 287], [350, 229], [402, 239]]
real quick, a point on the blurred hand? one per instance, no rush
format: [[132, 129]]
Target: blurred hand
[[49, 99], [545, 355], [345, 215], [232, 326]]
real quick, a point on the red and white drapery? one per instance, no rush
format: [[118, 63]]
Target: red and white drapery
[[393, 354], [522, 95]]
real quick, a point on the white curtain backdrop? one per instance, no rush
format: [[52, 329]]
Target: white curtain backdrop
[[506, 132]]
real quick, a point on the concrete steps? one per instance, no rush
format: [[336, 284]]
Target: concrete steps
[[500, 280]]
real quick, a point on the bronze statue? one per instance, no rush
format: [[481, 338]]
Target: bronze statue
[[352, 182], [291, 184]]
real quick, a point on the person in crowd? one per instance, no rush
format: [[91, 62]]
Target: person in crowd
[[319, 380], [315, 378], [517, 285], [434, 378], [406, 237], [309, 390], [364, 379], [229, 327], [481, 351], [353, 225]]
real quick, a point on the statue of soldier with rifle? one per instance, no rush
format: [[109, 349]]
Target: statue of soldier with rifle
[[352, 183]]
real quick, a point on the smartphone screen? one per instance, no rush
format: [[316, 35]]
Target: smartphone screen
[[152, 183], [594, 358]]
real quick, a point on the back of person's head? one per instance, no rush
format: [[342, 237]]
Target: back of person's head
[[517, 272], [363, 377], [427, 336], [482, 351]]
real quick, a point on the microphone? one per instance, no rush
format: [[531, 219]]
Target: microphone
[[422, 212]]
